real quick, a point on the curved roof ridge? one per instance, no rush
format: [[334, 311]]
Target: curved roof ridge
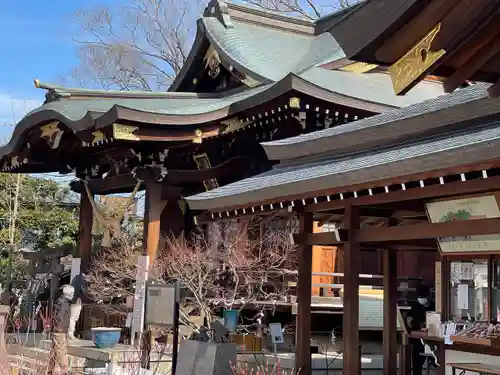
[[220, 10], [55, 93], [200, 42], [268, 14], [326, 22]]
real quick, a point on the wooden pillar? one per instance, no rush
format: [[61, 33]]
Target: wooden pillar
[[85, 232], [304, 291], [390, 312], [352, 265], [152, 214], [445, 289]]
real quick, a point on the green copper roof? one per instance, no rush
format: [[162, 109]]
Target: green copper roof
[[372, 86], [271, 53], [267, 47]]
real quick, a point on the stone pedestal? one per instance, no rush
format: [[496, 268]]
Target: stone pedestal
[[203, 358]]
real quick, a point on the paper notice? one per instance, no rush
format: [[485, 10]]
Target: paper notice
[[463, 296], [467, 271]]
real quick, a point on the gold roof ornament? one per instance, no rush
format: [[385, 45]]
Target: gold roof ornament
[[358, 67], [294, 102], [125, 132], [98, 137], [415, 62], [49, 130], [198, 136]]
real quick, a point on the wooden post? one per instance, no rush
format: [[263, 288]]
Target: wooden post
[[304, 291], [152, 214], [445, 292], [151, 240], [85, 232], [352, 266], [390, 312]]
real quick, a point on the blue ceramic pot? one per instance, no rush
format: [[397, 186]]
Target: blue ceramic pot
[[105, 338]]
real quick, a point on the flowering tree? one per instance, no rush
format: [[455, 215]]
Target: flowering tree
[[233, 264]]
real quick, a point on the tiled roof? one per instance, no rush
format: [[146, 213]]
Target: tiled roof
[[389, 126], [167, 103], [302, 179], [268, 53]]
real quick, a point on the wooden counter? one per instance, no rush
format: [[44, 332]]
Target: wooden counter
[[456, 346]]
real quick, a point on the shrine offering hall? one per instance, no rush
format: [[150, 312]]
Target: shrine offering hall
[[379, 142]]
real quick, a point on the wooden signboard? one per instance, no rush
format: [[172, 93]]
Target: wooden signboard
[[471, 208], [161, 302]]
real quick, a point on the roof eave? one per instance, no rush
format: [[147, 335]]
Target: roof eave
[[197, 52], [375, 176]]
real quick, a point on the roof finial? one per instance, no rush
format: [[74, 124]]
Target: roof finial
[[45, 86], [220, 10]]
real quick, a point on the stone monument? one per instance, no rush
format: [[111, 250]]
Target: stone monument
[[200, 356]]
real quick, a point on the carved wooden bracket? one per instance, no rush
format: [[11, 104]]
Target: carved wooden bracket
[[125, 132], [415, 62]]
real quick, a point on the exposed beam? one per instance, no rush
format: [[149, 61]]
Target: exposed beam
[[198, 176], [107, 185], [331, 239], [324, 238], [476, 62], [415, 234], [127, 182], [494, 91], [428, 230], [434, 191], [413, 31], [373, 212]]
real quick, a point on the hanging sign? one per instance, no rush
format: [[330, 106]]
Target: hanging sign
[[474, 208]]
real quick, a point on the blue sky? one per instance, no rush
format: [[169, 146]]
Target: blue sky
[[33, 46]]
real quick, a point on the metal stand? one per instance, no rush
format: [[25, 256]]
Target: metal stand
[[175, 337]]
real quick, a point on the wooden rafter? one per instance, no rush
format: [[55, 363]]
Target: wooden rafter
[[484, 47], [494, 91], [413, 31]]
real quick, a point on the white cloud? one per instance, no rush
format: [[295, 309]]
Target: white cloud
[[12, 109]]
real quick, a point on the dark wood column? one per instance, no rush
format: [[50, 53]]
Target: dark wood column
[[83, 251], [304, 291], [352, 265], [390, 312], [152, 214]]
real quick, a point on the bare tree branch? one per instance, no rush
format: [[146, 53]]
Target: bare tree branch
[[309, 9], [233, 265], [135, 44], [143, 44]]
